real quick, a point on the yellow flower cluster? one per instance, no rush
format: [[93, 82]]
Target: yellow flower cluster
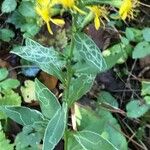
[[128, 9], [99, 13], [44, 9]]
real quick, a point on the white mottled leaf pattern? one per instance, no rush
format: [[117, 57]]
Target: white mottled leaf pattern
[[55, 129], [48, 102], [45, 58], [22, 115], [89, 51], [80, 86], [92, 141]]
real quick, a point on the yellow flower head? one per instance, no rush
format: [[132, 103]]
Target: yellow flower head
[[43, 9], [99, 13], [128, 8], [70, 4]]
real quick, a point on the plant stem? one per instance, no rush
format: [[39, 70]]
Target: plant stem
[[68, 79]]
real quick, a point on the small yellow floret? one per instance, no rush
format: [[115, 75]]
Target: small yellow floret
[[127, 9]]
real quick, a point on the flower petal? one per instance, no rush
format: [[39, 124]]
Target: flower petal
[[59, 22], [97, 22], [49, 28]]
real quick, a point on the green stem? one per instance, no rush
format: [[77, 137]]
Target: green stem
[[68, 79]]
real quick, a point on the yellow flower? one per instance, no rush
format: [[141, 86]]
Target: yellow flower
[[70, 4], [43, 9], [99, 13], [127, 9]]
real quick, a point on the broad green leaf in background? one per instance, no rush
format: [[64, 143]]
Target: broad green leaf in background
[[9, 98], [6, 34], [133, 34], [89, 51], [145, 88], [30, 29], [17, 19], [27, 9], [3, 73], [28, 137], [106, 97], [9, 84], [80, 86], [101, 122], [55, 129], [115, 3], [26, 24], [145, 91], [141, 50], [48, 102], [5, 143], [147, 99], [129, 34], [22, 115], [45, 58], [8, 6], [90, 140], [118, 53], [146, 34], [136, 109]]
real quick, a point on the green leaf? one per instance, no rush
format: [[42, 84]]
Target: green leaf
[[31, 29], [116, 54], [8, 6], [145, 88], [72, 143], [3, 73], [89, 52], [147, 100], [129, 34], [141, 50], [48, 102], [133, 34], [28, 137], [136, 109], [77, 90], [17, 19], [146, 34], [115, 3], [55, 129], [22, 115], [9, 98], [46, 58], [6, 34], [5, 143], [27, 9], [9, 84], [101, 122], [90, 140], [106, 97]]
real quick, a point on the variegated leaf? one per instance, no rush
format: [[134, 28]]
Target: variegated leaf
[[45, 58], [48, 102], [89, 52]]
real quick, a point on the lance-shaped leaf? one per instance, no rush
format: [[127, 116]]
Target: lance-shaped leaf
[[3, 73], [90, 140], [80, 86], [89, 51], [55, 129], [45, 58], [22, 115], [115, 3], [48, 102]]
